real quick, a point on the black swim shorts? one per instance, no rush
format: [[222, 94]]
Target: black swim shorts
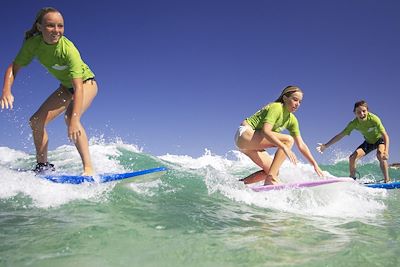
[[367, 147], [72, 91]]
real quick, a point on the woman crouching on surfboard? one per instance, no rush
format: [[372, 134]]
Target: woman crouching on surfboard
[[46, 41], [262, 131]]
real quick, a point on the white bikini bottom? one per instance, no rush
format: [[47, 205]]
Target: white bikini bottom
[[240, 131]]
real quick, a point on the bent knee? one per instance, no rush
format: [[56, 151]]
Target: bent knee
[[354, 156], [379, 155], [36, 122], [289, 140]]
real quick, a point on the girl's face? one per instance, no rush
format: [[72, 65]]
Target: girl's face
[[361, 113], [292, 103], [51, 27]]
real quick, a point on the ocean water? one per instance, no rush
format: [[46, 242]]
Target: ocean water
[[196, 214]]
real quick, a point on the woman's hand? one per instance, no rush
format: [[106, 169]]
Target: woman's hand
[[321, 147], [291, 156], [7, 100], [74, 130], [318, 171]]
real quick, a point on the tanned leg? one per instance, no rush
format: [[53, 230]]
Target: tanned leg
[[383, 163], [359, 153], [81, 143], [54, 105]]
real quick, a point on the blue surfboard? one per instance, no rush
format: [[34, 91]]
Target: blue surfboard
[[392, 185], [136, 176]]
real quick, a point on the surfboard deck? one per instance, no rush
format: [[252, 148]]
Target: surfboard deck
[[392, 185], [261, 188], [136, 176]]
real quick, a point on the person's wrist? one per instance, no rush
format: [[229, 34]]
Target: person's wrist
[[75, 118]]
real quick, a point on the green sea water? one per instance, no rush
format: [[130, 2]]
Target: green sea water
[[196, 214]]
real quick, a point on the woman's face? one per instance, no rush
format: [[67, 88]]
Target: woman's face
[[51, 27], [293, 101], [361, 113]]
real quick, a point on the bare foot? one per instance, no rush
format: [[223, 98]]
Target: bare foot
[[271, 180], [254, 177], [88, 172]]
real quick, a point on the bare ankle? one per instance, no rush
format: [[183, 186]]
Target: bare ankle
[[88, 171], [270, 180]]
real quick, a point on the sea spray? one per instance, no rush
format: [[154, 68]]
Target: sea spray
[[196, 214]]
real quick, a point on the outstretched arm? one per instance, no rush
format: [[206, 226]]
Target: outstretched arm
[[321, 147], [7, 99], [303, 148]]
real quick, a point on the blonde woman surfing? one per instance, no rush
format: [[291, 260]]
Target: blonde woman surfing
[[263, 130]]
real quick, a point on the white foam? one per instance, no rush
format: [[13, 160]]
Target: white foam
[[220, 175], [343, 200], [46, 194], [337, 155], [8, 155], [209, 159], [146, 189]]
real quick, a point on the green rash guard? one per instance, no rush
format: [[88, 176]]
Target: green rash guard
[[276, 115], [62, 59], [371, 128]]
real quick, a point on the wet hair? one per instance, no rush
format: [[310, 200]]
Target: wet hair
[[39, 17], [360, 103], [288, 91]]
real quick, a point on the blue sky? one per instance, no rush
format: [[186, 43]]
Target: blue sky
[[179, 76]]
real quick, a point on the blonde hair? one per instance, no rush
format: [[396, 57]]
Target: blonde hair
[[39, 17], [288, 91]]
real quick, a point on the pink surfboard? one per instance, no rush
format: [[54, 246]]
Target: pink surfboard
[[261, 188]]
